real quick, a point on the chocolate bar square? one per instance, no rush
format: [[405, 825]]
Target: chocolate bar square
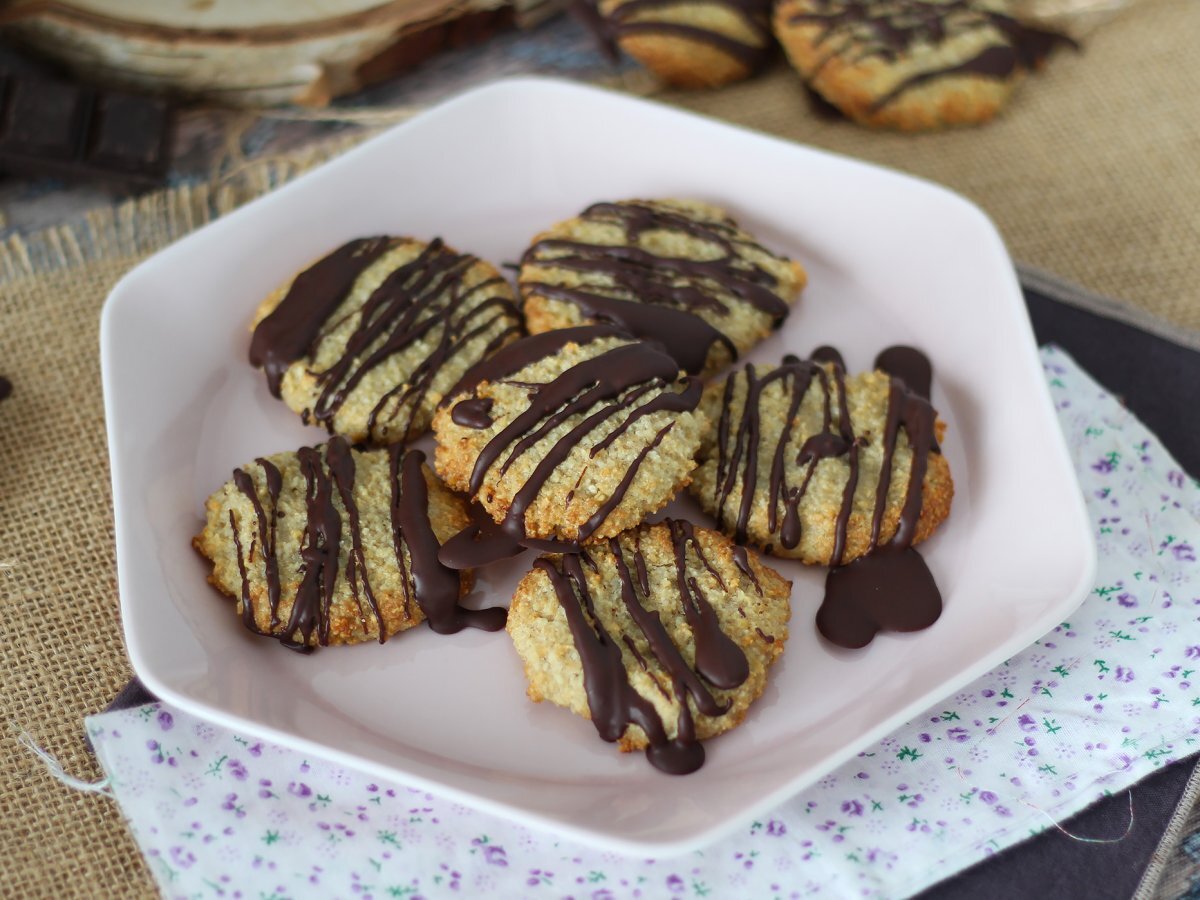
[[45, 119]]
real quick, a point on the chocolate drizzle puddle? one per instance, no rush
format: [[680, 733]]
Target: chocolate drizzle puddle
[[887, 29], [426, 299], [614, 381], [889, 587], [327, 529], [473, 413], [660, 298], [612, 700]]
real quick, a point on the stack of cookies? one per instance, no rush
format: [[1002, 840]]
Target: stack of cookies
[[565, 441], [912, 65]]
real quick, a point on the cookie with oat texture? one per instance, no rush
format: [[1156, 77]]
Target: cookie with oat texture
[[662, 636], [367, 340]]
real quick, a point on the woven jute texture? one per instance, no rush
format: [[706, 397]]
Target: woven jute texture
[[1093, 173]]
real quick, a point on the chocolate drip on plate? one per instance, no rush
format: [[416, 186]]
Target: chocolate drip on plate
[[889, 589], [613, 702], [660, 298], [910, 365]]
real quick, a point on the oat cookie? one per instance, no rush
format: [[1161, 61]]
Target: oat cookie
[[678, 272], [368, 339], [692, 43], [911, 64], [573, 435], [813, 464], [329, 545], [661, 636]]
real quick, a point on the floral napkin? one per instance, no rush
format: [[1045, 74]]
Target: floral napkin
[[1091, 708]]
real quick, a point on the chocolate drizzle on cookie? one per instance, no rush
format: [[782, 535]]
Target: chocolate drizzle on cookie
[[289, 331], [613, 382], [636, 18], [671, 300], [6, 388], [857, 30], [613, 702], [889, 586], [332, 524], [425, 300]]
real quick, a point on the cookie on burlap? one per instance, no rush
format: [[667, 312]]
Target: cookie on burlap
[[911, 64], [572, 435], [661, 636], [692, 43], [367, 340], [678, 272], [799, 451], [329, 545]]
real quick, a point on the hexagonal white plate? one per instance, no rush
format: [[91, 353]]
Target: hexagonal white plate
[[891, 260]]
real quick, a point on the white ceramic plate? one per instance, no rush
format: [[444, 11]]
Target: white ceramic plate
[[891, 260]]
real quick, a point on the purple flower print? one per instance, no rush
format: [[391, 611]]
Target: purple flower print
[[775, 828], [539, 876], [165, 720], [182, 857], [1123, 674], [1184, 552], [675, 884], [1105, 464], [237, 770], [493, 854], [852, 808], [299, 789], [231, 805]]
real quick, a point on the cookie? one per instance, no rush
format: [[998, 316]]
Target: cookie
[[678, 272], [661, 636], [329, 545], [692, 43], [367, 340], [573, 435], [911, 64], [813, 464]]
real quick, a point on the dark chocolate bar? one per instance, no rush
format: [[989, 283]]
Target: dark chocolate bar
[[52, 127]]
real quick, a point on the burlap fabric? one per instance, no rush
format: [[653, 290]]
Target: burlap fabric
[[1094, 173]]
